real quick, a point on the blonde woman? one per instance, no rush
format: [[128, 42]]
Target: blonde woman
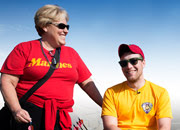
[[49, 106]]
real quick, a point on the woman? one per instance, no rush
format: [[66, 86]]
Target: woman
[[29, 61]]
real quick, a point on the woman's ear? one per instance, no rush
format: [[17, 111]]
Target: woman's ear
[[45, 29]]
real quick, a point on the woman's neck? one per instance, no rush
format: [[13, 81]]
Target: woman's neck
[[47, 45]]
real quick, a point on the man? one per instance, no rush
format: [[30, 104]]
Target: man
[[135, 103]]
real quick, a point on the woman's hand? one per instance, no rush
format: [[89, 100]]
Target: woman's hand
[[9, 83], [21, 116]]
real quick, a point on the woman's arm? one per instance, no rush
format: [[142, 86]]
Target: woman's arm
[[90, 88], [8, 85]]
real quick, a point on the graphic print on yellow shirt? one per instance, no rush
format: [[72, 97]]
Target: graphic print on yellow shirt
[[147, 107]]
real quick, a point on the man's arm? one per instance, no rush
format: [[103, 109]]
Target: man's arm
[[110, 123], [164, 124]]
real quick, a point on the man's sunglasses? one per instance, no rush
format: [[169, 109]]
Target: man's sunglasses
[[133, 61], [61, 25]]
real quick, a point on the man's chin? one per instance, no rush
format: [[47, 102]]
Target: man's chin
[[131, 80]]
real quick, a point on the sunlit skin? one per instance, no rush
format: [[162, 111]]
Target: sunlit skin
[[53, 36], [133, 73]]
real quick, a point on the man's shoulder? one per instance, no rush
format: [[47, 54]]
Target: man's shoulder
[[117, 87], [155, 87]]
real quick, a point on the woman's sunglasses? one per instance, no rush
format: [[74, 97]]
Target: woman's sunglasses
[[61, 25], [132, 61]]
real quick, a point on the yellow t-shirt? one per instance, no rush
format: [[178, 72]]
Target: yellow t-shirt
[[137, 109]]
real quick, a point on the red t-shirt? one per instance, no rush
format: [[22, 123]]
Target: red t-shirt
[[28, 61]]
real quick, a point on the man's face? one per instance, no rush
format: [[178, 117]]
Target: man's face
[[133, 73]]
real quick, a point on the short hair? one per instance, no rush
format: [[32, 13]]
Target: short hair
[[48, 14]]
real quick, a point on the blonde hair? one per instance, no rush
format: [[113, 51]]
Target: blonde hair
[[48, 14]]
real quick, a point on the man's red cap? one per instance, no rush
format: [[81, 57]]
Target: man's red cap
[[123, 48]]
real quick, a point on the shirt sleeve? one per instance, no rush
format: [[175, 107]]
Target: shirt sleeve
[[164, 106], [15, 62], [108, 106], [83, 71]]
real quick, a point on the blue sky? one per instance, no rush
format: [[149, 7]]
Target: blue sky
[[98, 27]]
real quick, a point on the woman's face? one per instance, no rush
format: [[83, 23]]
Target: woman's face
[[55, 36]]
